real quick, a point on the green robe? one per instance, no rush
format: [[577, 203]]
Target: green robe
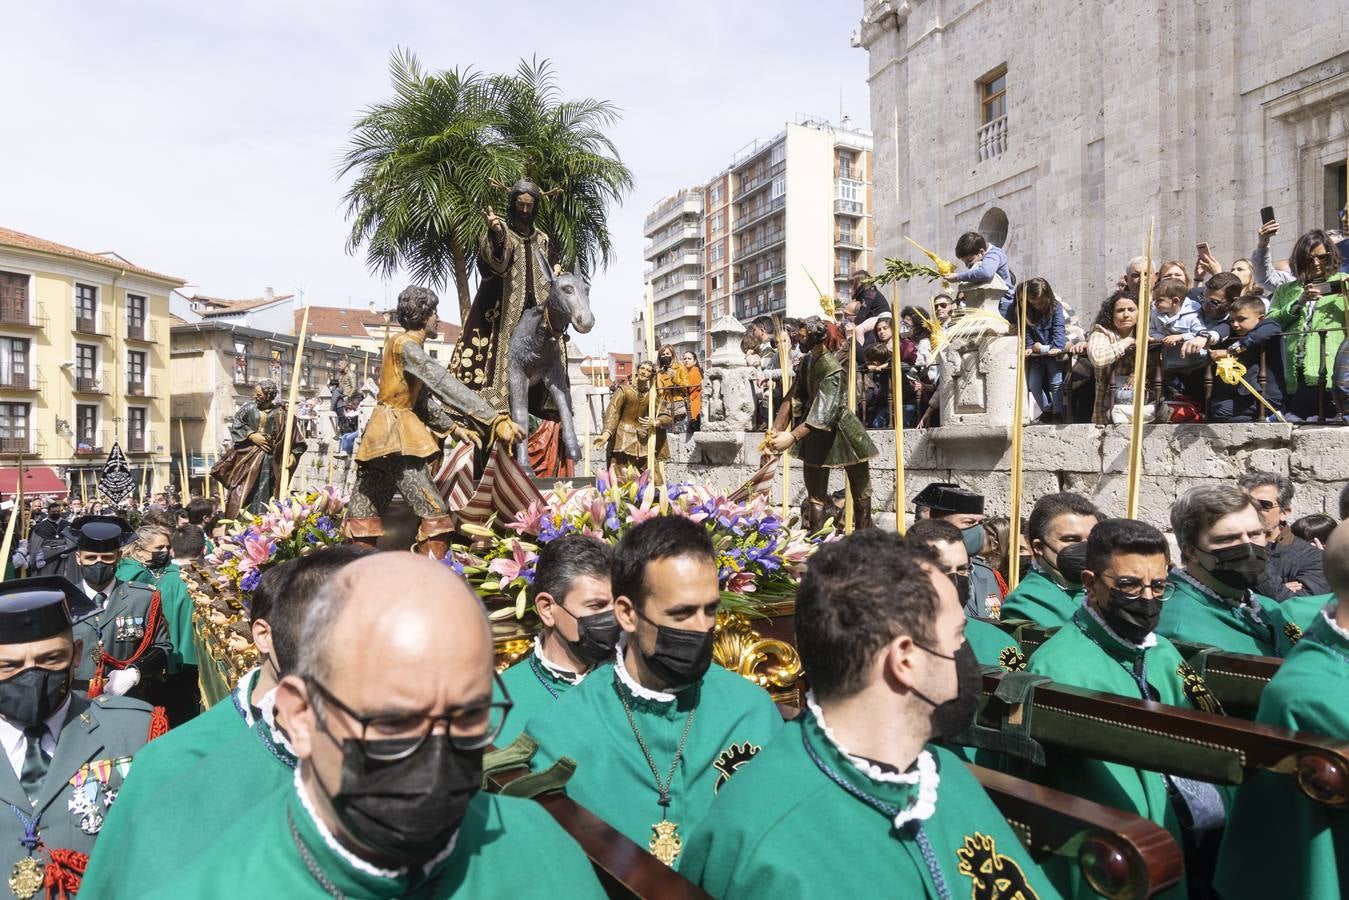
[[1193, 617], [992, 646], [1083, 654], [1040, 600], [533, 688], [177, 822], [733, 720], [784, 829], [505, 847], [174, 600], [1306, 854], [1299, 612]]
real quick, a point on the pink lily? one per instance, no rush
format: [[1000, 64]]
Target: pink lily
[[741, 583], [510, 568], [527, 522]]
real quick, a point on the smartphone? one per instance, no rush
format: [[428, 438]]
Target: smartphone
[[1266, 215], [1202, 248], [1329, 288]]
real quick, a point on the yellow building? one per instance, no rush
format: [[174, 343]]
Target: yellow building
[[84, 354]]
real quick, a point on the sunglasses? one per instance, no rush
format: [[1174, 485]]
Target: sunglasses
[[1266, 505]]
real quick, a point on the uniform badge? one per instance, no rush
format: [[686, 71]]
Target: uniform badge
[[1197, 691], [731, 759], [26, 877], [83, 803], [1011, 659], [993, 875], [665, 842]]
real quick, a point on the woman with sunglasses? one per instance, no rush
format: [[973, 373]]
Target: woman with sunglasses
[[1311, 311]]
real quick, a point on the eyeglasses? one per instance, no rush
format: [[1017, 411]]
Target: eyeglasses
[[1320, 257], [1266, 505], [397, 737], [1133, 588]]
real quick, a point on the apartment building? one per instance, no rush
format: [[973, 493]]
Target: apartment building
[[717, 247], [84, 355], [674, 255]]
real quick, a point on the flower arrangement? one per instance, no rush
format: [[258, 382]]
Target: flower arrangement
[[759, 557], [288, 528]]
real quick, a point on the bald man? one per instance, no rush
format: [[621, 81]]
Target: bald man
[[388, 708], [1273, 821]]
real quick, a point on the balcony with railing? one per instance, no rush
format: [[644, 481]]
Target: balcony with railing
[[92, 381], [753, 279], [675, 313], [99, 324], [29, 445], [145, 386], [682, 203], [677, 286], [677, 261], [758, 213], [849, 241], [144, 332], [992, 139], [848, 208], [92, 443], [12, 380], [24, 315], [140, 443], [749, 186], [668, 239], [766, 242]]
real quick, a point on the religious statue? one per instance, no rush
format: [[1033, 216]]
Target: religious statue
[[627, 426], [251, 470], [398, 447], [829, 435], [515, 262]]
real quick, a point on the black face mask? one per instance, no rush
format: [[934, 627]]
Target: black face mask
[[1072, 559], [99, 574], [1132, 618], [962, 583], [955, 715], [596, 635], [33, 695], [680, 657], [158, 560], [407, 809], [1239, 567]]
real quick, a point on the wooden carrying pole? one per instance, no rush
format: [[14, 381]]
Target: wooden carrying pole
[[290, 405], [1018, 413], [650, 328], [1140, 379], [897, 407], [849, 502], [184, 493], [785, 364], [13, 521]]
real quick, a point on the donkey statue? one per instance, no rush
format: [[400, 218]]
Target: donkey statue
[[538, 353]]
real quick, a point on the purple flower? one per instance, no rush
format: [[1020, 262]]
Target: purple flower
[[326, 526], [454, 564], [250, 581]]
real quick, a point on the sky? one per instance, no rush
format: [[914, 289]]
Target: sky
[[201, 139]]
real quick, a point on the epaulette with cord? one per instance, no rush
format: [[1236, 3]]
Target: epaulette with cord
[[152, 619]]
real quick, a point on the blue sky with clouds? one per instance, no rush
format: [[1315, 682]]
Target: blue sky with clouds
[[200, 139]]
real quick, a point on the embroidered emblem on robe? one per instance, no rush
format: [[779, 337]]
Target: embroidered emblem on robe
[[731, 759], [1012, 659], [1197, 690], [1292, 632], [995, 877]]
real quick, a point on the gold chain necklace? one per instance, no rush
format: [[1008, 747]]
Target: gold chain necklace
[[665, 842]]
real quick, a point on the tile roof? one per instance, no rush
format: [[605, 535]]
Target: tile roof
[[222, 307], [11, 238], [338, 321]]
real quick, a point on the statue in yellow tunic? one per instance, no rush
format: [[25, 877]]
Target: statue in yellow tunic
[[627, 425], [398, 446]]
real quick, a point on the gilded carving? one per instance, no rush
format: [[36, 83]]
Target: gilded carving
[[770, 663]]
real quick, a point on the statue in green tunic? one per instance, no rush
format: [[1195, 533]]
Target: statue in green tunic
[[828, 434]]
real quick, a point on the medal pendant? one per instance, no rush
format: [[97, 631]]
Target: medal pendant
[[26, 878], [665, 842]]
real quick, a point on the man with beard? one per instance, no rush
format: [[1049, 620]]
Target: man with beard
[[829, 435], [416, 396], [251, 470], [852, 793], [572, 597], [66, 755], [627, 426], [386, 800], [1110, 644], [1057, 531], [1222, 551], [514, 260], [659, 733]]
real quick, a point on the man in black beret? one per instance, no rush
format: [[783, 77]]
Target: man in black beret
[[965, 510], [66, 755], [120, 623]]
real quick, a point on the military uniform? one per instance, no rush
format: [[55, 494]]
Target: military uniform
[[534, 684], [942, 499], [1197, 615], [123, 628], [930, 832]]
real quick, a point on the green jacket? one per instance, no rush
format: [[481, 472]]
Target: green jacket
[[1038, 598], [120, 626], [1084, 654], [992, 646], [533, 688], [1278, 842], [1304, 363], [505, 847], [1194, 617], [784, 829], [175, 601], [837, 437], [93, 756]]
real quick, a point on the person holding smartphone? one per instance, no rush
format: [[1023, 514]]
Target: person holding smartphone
[[1311, 312], [1270, 278]]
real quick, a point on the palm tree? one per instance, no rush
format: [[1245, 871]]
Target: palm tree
[[430, 160]]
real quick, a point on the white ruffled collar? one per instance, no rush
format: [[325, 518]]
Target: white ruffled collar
[[243, 694], [1148, 642], [350, 858], [267, 706], [923, 774], [553, 669], [641, 693]]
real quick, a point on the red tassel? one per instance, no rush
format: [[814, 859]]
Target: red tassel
[[159, 723], [64, 873], [96, 683]]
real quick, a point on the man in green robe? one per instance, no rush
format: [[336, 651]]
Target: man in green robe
[[386, 800], [829, 435], [1222, 551], [1057, 531], [154, 826], [572, 596], [1280, 842], [850, 799], [965, 510], [658, 734], [1110, 645]]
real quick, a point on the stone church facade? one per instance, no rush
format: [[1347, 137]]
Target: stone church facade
[[1060, 128]]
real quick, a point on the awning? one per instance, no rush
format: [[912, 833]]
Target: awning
[[36, 480]]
